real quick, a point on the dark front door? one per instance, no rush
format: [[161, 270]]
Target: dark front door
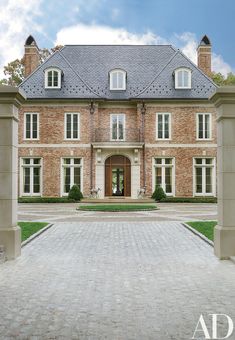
[[117, 176]]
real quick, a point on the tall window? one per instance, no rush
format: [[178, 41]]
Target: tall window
[[203, 126], [183, 78], [71, 173], [117, 80], [31, 126], [72, 126], [117, 123], [31, 176], [53, 78], [164, 174], [204, 176], [163, 126]]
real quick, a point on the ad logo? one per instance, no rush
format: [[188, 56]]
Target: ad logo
[[201, 330]]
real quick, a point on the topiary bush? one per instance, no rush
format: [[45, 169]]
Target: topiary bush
[[75, 193], [158, 194]]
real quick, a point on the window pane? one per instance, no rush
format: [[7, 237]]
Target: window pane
[[66, 180], [36, 161], [36, 180], [77, 176], [26, 180], [198, 160], [160, 126], [26, 161], [198, 180], [159, 176], [180, 78], [66, 160], [68, 126], [208, 180], [168, 180], [114, 80], [55, 78], [35, 126], [185, 78], [200, 126], [120, 127], [166, 126], [168, 160], [209, 160], [75, 126], [120, 80], [28, 126], [49, 78], [207, 126], [77, 160], [114, 127], [158, 160]]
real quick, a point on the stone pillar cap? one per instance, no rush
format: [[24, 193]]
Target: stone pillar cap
[[12, 94], [223, 95]]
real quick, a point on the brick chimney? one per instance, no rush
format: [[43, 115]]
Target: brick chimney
[[204, 55], [31, 56]]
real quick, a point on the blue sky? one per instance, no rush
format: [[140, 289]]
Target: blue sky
[[180, 22]]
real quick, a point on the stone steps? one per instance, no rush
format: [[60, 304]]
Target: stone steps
[[2, 254]]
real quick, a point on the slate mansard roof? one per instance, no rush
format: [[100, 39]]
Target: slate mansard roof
[[85, 73]]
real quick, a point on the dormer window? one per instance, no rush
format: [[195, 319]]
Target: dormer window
[[53, 78], [117, 80], [183, 78]]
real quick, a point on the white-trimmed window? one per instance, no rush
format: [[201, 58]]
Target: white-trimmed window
[[117, 127], [204, 126], [117, 79], [183, 78], [204, 176], [71, 174], [31, 125], [31, 178], [72, 126], [53, 78], [164, 174], [163, 124]]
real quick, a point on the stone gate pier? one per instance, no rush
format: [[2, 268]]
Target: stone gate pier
[[10, 235], [224, 235]]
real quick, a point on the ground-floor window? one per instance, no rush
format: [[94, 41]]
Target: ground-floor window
[[71, 174], [164, 174], [31, 176], [204, 176]]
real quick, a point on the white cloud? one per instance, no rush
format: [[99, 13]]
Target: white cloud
[[16, 19], [97, 34]]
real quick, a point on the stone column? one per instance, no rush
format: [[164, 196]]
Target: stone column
[[224, 234], [10, 233]]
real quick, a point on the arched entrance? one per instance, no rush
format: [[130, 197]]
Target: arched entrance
[[117, 176]]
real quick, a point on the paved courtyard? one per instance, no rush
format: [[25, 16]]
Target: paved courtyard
[[115, 281]]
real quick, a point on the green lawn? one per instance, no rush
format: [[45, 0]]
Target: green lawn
[[118, 207], [204, 227], [30, 228]]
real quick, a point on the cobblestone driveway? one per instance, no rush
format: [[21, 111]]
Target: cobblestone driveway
[[113, 281]]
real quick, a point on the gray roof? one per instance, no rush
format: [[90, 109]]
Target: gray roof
[[149, 70]]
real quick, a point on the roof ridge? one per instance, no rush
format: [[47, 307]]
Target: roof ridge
[[158, 74]]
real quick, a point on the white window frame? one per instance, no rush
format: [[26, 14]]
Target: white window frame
[[204, 166], [163, 166], [210, 126], [53, 69], [31, 125], [111, 127], [111, 74], [31, 166], [163, 126], [177, 78], [65, 125], [62, 193]]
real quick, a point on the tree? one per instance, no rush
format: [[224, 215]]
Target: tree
[[221, 80], [14, 71]]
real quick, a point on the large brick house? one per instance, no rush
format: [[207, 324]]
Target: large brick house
[[118, 118]]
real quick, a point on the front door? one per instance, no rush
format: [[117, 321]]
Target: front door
[[117, 176]]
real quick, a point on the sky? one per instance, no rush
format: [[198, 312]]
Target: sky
[[181, 23]]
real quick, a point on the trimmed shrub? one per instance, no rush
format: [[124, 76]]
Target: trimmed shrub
[[45, 200], [75, 193], [158, 194]]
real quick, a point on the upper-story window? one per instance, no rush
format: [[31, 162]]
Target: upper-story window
[[163, 125], [183, 78], [117, 125], [117, 80], [203, 126], [53, 78], [72, 126], [31, 125]]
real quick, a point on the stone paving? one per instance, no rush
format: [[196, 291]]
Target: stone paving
[[115, 281]]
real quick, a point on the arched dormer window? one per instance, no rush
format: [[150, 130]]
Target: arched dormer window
[[183, 78], [117, 80], [53, 78]]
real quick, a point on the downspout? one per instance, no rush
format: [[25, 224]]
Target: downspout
[[143, 111], [92, 110]]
